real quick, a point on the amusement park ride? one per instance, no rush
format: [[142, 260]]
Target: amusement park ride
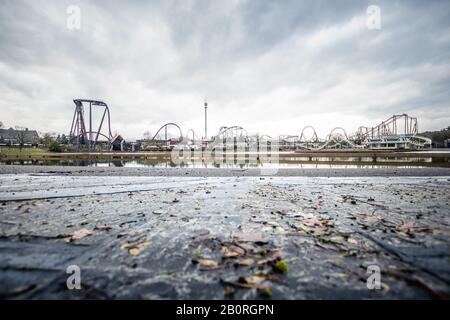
[[399, 132], [83, 132]]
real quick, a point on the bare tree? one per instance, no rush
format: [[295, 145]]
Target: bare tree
[[19, 135]]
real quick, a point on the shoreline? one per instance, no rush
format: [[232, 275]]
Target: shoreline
[[223, 172]]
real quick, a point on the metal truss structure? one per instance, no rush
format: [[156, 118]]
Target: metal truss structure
[[84, 133], [397, 132], [191, 137], [391, 127], [233, 132], [313, 138], [166, 141], [265, 137], [336, 139]]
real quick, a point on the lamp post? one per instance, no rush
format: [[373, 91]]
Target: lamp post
[[206, 121]]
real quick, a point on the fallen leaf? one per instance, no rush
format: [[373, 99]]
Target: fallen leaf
[[369, 218], [103, 228], [228, 292], [272, 256], [266, 292], [340, 275], [207, 263], [245, 262], [232, 251], [247, 247], [313, 230], [281, 266], [404, 234], [134, 251], [135, 247], [80, 234], [337, 239], [275, 278], [38, 202], [406, 226], [411, 227], [252, 279]]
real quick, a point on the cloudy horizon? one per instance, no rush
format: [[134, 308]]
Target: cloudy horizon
[[272, 67]]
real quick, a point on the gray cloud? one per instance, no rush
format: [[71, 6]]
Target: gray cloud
[[270, 66]]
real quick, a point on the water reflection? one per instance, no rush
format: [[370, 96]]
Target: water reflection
[[324, 162]]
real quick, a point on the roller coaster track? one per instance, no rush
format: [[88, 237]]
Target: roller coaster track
[[227, 133], [191, 136], [391, 127], [83, 131], [166, 137], [399, 131]]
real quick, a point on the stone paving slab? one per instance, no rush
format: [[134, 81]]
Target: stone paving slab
[[224, 237]]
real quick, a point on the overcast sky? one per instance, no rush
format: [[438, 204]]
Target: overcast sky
[[272, 67]]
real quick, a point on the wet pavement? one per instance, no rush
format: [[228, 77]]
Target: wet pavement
[[209, 171], [224, 237]]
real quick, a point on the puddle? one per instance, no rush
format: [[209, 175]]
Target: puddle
[[319, 163]]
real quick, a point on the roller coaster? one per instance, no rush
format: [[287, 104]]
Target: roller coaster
[[85, 131], [399, 132], [163, 140], [192, 138]]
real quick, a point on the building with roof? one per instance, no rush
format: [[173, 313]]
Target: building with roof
[[13, 137]]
